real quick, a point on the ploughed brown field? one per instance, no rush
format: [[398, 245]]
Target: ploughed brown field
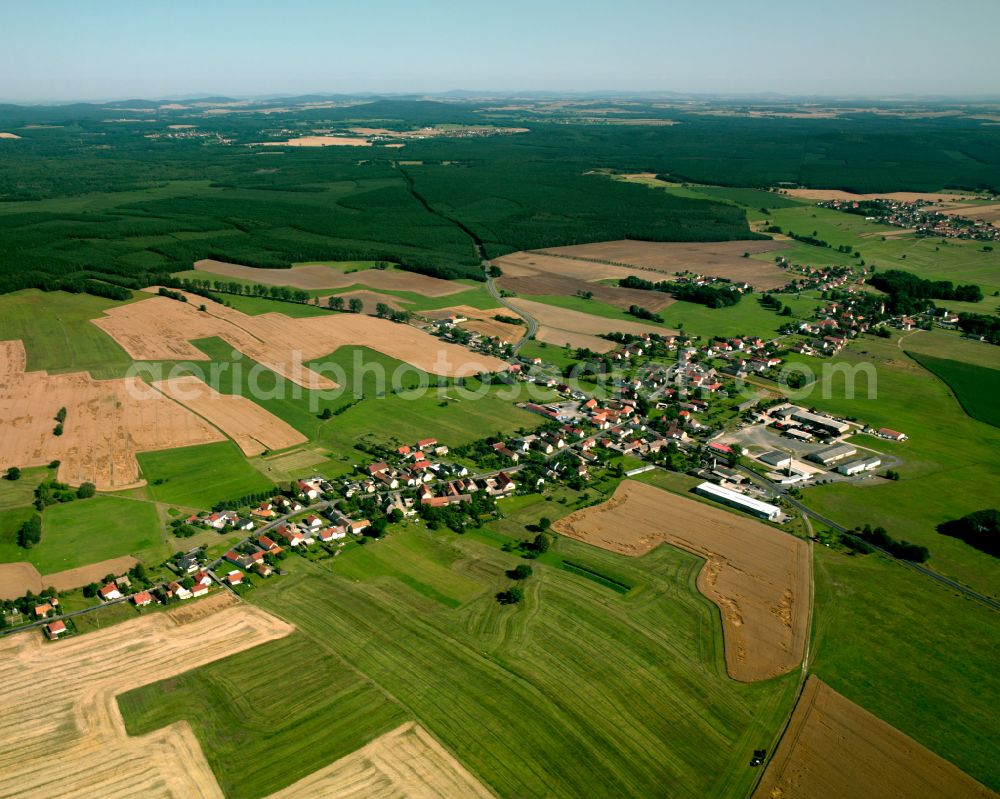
[[369, 299], [107, 422], [16, 579], [254, 429], [161, 329], [540, 274], [834, 749], [63, 734], [712, 259], [756, 575], [563, 326], [318, 276]]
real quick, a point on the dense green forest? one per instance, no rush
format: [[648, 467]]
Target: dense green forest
[[87, 197]]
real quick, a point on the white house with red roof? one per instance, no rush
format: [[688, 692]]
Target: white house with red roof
[[109, 592], [142, 599], [54, 629]]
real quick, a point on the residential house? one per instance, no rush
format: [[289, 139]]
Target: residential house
[[54, 629], [142, 599], [109, 592]]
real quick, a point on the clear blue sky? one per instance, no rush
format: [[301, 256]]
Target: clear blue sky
[[103, 49]]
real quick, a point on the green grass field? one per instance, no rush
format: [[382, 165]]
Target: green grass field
[[913, 653], [86, 531], [58, 335], [938, 259], [270, 715], [976, 388], [579, 691], [200, 476], [19, 493], [949, 461], [449, 413]]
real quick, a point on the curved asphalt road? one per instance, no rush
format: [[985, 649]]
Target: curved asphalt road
[[531, 321]]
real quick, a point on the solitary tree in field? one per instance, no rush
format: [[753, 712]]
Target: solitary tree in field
[[13, 473], [382, 310], [355, 305], [86, 490], [520, 572], [336, 303]]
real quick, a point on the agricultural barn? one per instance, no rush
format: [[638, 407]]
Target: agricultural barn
[[893, 435], [858, 466], [742, 502], [776, 458], [817, 420], [833, 454]]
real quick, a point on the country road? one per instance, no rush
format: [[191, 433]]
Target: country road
[[528, 318]]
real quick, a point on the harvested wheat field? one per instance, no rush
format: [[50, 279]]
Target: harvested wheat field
[[903, 196], [716, 259], [9, 136], [320, 276], [562, 326], [319, 141], [162, 329], [406, 762], [758, 576], [107, 422], [63, 731], [254, 429], [834, 749], [986, 213]]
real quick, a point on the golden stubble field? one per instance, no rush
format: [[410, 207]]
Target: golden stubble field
[[161, 329], [107, 422], [251, 427], [758, 577], [834, 749], [62, 734]]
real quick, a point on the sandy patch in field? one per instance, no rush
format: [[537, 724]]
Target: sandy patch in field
[[903, 196], [318, 141], [717, 259], [9, 136], [318, 276], [161, 329], [406, 762], [834, 749], [254, 429], [561, 326], [369, 300], [63, 732], [756, 575], [107, 422]]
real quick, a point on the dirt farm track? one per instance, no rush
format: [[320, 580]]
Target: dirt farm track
[[756, 575], [834, 749]]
